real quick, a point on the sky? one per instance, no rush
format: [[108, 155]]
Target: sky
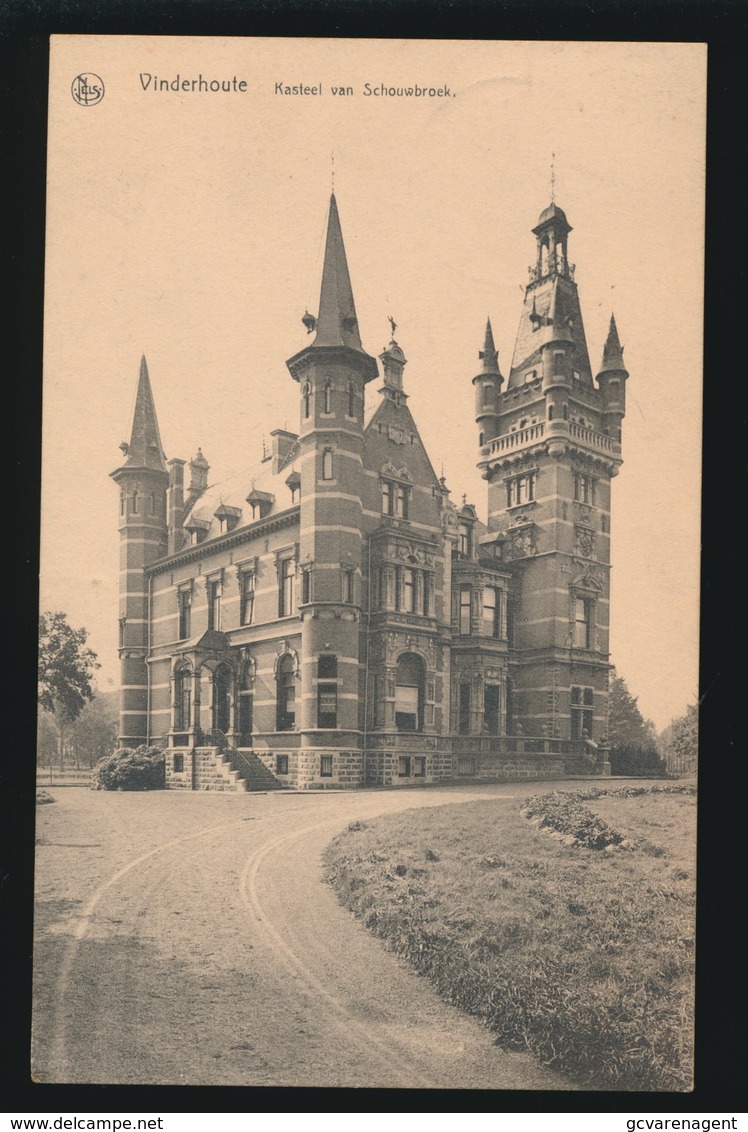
[[188, 225]]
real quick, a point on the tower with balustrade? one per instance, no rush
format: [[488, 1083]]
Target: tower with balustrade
[[550, 445]]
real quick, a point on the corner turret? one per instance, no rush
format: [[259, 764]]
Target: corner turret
[[487, 388], [612, 381]]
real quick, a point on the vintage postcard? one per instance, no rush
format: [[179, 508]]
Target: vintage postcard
[[370, 563]]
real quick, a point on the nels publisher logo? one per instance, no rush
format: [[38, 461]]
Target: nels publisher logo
[[87, 89]]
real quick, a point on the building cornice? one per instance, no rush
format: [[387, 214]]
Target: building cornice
[[262, 527]]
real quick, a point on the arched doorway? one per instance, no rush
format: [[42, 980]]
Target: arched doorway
[[410, 682], [222, 698]]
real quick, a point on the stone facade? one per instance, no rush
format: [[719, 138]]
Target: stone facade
[[333, 618]]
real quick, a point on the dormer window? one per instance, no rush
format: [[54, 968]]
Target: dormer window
[[198, 530], [261, 503], [294, 485], [228, 517]]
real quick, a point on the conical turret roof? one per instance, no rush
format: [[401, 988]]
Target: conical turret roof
[[337, 324], [612, 350], [144, 449]]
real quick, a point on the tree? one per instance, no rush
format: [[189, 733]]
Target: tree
[[627, 727], [66, 667], [680, 741], [632, 738], [94, 733]]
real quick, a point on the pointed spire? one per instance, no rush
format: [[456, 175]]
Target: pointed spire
[[337, 324], [144, 449], [612, 350], [489, 355]]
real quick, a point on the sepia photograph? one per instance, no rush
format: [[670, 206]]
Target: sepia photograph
[[369, 597]]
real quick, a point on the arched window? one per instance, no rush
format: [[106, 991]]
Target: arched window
[[327, 397], [222, 698], [409, 692], [307, 395], [351, 399], [135, 503], [327, 464], [182, 699], [286, 695]]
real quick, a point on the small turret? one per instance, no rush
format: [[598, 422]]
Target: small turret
[[487, 388], [612, 381], [393, 363]]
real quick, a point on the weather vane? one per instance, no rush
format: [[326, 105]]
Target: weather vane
[[332, 169], [553, 178], [392, 323]]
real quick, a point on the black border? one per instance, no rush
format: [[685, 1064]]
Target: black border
[[25, 26]]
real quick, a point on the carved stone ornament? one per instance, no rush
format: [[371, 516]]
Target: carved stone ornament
[[585, 542]]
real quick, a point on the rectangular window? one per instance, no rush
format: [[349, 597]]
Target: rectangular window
[[428, 581], [306, 586], [491, 611], [248, 598], [584, 489], [281, 764], [464, 540], [491, 708], [348, 586], [327, 705], [325, 766], [286, 592], [465, 602], [401, 501], [327, 667], [581, 712], [408, 579], [387, 497], [582, 623], [214, 605], [521, 489], [406, 707], [184, 598], [465, 766], [403, 766], [419, 767], [327, 464], [464, 710], [178, 764]]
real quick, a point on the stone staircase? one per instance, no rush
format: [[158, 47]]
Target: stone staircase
[[229, 770], [215, 772], [252, 769]]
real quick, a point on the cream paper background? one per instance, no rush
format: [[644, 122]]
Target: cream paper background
[[188, 226]]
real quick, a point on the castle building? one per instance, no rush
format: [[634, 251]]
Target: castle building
[[333, 618]]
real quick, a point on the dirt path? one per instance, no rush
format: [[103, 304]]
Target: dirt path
[[190, 939]]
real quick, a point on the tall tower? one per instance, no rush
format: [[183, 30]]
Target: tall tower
[[142, 480], [549, 466], [332, 372]]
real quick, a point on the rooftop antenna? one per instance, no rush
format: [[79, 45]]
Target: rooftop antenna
[[553, 178], [332, 170]]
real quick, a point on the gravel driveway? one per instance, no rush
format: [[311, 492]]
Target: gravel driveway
[[190, 939]]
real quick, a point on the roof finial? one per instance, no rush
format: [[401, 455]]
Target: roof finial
[[553, 178], [393, 324], [332, 171]]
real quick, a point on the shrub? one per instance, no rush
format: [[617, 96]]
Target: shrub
[[640, 761], [138, 768], [43, 798]]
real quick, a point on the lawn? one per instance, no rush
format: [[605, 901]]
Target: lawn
[[582, 955]]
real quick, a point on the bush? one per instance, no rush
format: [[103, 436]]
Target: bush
[[138, 768], [640, 761]]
